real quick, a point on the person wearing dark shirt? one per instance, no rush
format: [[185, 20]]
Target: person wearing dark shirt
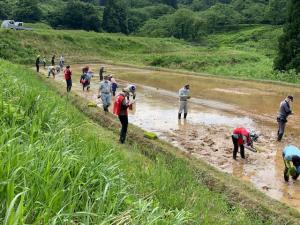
[[52, 60], [37, 63], [284, 112], [68, 78], [101, 73]]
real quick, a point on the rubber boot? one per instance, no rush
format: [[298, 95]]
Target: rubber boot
[[179, 116], [185, 115], [279, 137]]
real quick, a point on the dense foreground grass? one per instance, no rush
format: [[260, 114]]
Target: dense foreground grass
[[246, 53], [58, 167]]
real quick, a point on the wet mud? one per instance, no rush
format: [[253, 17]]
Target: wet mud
[[217, 106]]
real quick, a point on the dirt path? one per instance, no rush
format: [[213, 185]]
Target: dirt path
[[217, 106]]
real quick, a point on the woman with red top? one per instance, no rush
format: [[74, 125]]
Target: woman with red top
[[120, 109], [242, 138], [68, 78]]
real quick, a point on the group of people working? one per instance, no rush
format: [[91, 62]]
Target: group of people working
[[242, 138]]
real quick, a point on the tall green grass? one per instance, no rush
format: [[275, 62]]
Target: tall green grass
[[58, 167]]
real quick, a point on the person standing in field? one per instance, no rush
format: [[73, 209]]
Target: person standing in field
[[114, 85], [101, 73], [284, 112], [68, 78], [37, 63], [242, 138], [121, 106], [184, 95], [61, 62], [105, 93], [291, 154], [53, 60], [83, 78], [44, 62]]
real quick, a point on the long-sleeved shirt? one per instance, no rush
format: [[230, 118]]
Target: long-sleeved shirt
[[284, 110], [184, 94], [105, 87]]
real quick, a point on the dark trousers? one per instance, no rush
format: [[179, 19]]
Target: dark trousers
[[37, 68], [69, 85], [124, 121], [281, 128], [236, 148]]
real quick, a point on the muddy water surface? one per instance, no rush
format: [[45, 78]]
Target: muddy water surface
[[217, 106]]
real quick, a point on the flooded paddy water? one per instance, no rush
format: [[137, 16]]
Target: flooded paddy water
[[217, 106]]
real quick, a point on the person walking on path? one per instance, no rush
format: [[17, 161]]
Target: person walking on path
[[105, 93], [114, 85], [61, 62], [83, 78], [242, 138], [44, 62], [68, 78], [121, 106], [291, 154], [37, 63], [184, 95], [101, 73], [284, 112], [53, 60]]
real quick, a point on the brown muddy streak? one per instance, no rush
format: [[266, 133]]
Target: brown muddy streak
[[217, 106]]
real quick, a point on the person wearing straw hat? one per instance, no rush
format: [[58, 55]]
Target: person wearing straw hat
[[120, 109], [105, 93], [284, 112]]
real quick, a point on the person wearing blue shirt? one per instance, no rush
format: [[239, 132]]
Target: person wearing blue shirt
[[291, 154]]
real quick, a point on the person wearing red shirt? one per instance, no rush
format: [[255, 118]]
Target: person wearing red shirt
[[120, 109], [68, 78], [242, 138]]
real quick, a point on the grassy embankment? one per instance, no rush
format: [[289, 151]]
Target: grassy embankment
[[59, 167], [247, 53]]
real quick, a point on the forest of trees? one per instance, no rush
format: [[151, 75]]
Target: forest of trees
[[187, 19]]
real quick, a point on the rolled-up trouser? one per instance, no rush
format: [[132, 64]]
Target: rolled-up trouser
[[106, 100], [183, 107]]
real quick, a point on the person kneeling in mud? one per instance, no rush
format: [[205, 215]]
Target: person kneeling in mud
[[241, 138], [291, 154]]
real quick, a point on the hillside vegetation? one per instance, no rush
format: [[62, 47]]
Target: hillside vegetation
[[58, 167], [246, 53]]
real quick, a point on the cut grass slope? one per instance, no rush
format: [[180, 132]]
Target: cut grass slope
[[247, 53], [58, 167]]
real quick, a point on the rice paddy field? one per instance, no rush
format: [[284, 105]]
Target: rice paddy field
[[59, 167]]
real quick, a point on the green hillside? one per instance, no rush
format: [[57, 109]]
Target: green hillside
[[246, 53]]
